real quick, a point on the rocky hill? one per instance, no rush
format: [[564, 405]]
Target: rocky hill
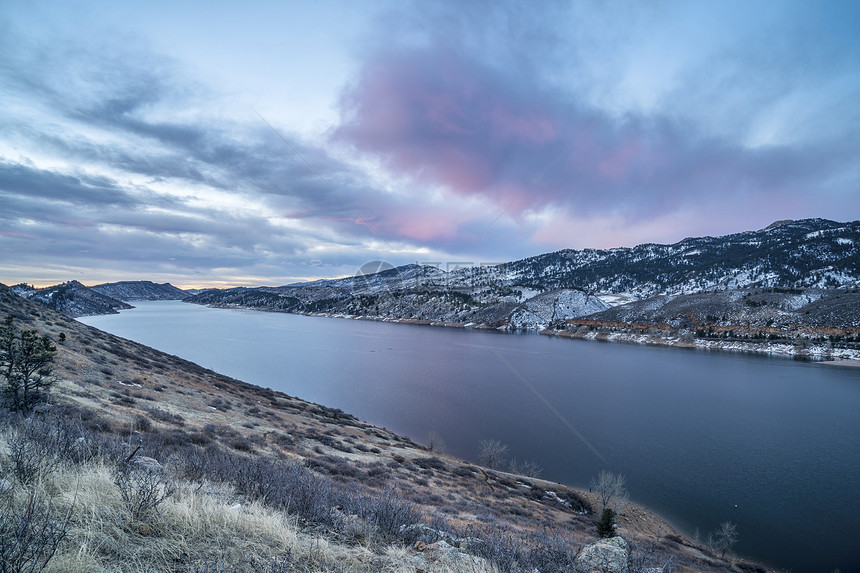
[[811, 253], [776, 308], [806, 323], [568, 284], [72, 299], [227, 476], [140, 290]]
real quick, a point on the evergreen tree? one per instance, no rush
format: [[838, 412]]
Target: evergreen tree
[[26, 362], [606, 525]]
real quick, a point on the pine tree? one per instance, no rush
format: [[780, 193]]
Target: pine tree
[[606, 525], [26, 361]]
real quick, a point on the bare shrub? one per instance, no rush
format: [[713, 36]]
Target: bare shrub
[[30, 459], [165, 416], [528, 468], [242, 444], [142, 489], [30, 534], [493, 453], [610, 487], [142, 424], [724, 537], [387, 512], [435, 443]]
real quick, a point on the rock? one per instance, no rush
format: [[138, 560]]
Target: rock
[[443, 554], [425, 534], [147, 463], [604, 556], [5, 485]]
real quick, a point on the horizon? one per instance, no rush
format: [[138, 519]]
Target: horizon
[[227, 285], [273, 144]]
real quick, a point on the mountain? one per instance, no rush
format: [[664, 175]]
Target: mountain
[[812, 253], [775, 308], [140, 290], [568, 284], [72, 299]]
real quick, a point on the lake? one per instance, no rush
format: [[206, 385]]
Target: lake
[[770, 444]]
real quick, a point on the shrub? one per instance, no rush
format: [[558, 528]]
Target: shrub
[[242, 444], [387, 512], [30, 534], [493, 453], [142, 424], [142, 489]]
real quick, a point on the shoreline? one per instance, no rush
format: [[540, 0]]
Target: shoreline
[[814, 354], [845, 363]]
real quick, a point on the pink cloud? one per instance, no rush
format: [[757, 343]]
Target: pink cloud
[[436, 117]]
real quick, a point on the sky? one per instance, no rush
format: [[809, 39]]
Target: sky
[[263, 143]]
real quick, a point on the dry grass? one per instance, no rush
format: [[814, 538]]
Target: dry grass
[[200, 527]]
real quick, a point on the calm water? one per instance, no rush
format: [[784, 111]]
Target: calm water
[[695, 433]]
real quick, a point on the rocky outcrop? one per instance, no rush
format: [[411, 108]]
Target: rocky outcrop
[[604, 556]]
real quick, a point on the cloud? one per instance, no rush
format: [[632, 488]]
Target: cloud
[[131, 168], [484, 131], [443, 118], [23, 180]]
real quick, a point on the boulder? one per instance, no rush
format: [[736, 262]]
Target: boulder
[[147, 463], [442, 554], [604, 556]]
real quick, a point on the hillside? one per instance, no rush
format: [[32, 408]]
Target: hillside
[[570, 284], [72, 299], [308, 487], [140, 290], [823, 323], [810, 253]]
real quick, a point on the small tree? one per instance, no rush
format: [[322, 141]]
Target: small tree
[[606, 525], [528, 468], [724, 537], [610, 488], [26, 362], [435, 443], [493, 453]]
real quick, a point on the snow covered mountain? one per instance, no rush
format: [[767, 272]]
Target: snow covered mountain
[[812, 253], [545, 289], [71, 298]]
